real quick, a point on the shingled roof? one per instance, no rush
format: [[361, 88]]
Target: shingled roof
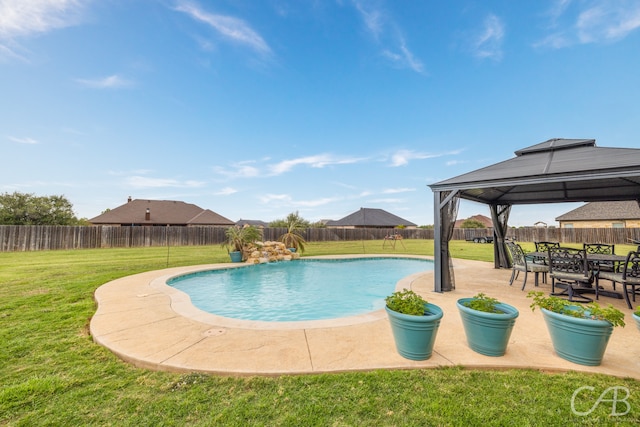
[[367, 217], [601, 211], [161, 212]]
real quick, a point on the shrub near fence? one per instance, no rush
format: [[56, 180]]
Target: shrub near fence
[[15, 238]]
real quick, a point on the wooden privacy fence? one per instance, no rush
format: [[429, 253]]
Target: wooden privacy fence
[[14, 238]]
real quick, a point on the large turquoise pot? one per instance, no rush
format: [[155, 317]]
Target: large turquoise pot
[[236, 256], [578, 340], [637, 319], [415, 335], [487, 333]]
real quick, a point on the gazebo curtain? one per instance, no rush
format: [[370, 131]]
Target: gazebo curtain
[[446, 212], [500, 217]]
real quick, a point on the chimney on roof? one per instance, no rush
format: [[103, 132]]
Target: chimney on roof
[[129, 199], [147, 215]]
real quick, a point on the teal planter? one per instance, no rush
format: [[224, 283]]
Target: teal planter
[[637, 320], [578, 340], [415, 335], [487, 333], [236, 256]]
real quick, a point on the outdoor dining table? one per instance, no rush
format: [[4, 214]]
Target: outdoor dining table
[[593, 259]]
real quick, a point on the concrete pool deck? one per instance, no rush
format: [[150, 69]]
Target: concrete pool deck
[[151, 325]]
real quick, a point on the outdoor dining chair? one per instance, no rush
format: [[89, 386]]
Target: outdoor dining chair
[[605, 249], [628, 277], [519, 263], [544, 247], [569, 269]]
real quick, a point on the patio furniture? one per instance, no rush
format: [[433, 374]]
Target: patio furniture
[[628, 277], [520, 263], [544, 248], [569, 269], [605, 265], [392, 239]]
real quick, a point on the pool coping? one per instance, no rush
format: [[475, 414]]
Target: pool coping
[[139, 323]]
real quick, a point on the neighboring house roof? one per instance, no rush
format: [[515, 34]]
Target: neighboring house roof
[[367, 217], [602, 211], [486, 221], [254, 222], [161, 212]]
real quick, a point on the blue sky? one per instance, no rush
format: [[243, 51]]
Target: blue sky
[[259, 108]]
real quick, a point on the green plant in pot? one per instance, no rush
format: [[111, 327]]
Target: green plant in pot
[[487, 323], [293, 239], [237, 238], [579, 333], [414, 324]]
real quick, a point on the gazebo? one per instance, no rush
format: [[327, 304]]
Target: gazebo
[[554, 171]]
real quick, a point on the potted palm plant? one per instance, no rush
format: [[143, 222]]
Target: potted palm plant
[[239, 237], [293, 239], [487, 323], [414, 324], [579, 333]]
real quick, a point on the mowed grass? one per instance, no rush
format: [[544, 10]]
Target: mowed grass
[[51, 372]]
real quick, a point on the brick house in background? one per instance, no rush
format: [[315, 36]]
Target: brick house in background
[[625, 214], [486, 221], [160, 213]]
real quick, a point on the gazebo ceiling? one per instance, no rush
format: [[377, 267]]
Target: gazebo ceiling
[[555, 171]]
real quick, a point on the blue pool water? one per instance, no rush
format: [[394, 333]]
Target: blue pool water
[[298, 290]]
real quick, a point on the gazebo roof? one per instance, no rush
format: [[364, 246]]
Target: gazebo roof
[[554, 171]]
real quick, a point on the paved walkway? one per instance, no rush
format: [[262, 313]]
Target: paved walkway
[[151, 325]]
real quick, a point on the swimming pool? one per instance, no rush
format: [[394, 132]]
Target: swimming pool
[[301, 290]]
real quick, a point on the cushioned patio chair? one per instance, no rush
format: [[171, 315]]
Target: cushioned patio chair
[[520, 263], [569, 269], [605, 249], [628, 277]]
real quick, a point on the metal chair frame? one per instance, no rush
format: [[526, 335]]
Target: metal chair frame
[[569, 269]]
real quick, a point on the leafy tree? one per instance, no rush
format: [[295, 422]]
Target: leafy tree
[[29, 209], [292, 218], [472, 223]]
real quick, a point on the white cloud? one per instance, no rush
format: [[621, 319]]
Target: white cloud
[[395, 47], [20, 18], [594, 21], [404, 59], [231, 28], [397, 190], [488, 42], [603, 22], [373, 18], [268, 198], [144, 182], [25, 18], [239, 170], [25, 140], [403, 157], [109, 82], [226, 191], [317, 161]]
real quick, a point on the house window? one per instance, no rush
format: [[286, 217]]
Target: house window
[[568, 225], [618, 225]]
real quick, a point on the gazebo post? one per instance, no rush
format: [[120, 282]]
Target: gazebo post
[[445, 212]]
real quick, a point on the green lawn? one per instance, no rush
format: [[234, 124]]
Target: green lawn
[[51, 372]]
